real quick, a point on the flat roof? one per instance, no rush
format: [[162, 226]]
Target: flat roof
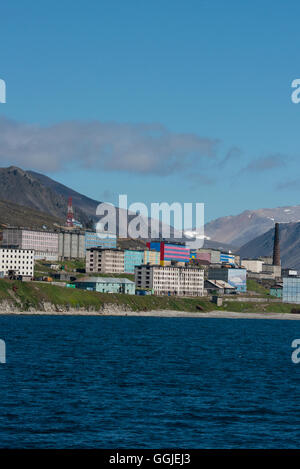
[[169, 266], [103, 280]]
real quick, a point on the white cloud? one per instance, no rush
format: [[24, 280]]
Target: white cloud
[[139, 148]]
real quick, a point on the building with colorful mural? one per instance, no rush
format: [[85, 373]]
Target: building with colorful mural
[[235, 277], [170, 252]]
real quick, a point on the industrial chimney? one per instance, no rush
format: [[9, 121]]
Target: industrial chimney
[[276, 249]]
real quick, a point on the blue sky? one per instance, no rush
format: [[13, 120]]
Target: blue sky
[[170, 100]]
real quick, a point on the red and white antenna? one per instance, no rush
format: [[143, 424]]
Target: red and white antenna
[[70, 215]]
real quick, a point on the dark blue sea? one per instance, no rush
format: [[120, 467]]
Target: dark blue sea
[[142, 382]]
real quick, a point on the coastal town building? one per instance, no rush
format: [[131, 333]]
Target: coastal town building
[[107, 285], [151, 257], [170, 252], [170, 280], [227, 258], [252, 265], [104, 240], [237, 277], [291, 290], [43, 242], [219, 286], [214, 255], [131, 259], [289, 272], [105, 260], [71, 245], [17, 262], [276, 290], [274, 270]]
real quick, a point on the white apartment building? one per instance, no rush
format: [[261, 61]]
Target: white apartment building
[[170, 280], [44, 243], [105, 260], [18, 261]]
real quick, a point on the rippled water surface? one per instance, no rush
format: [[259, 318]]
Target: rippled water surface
[[142, 382]]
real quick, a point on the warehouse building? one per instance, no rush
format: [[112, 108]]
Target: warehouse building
[[107, 285], [17, 262], [274, 270], [235, 277], [105, 260], [252, 265], [170, 280], [44, 243]]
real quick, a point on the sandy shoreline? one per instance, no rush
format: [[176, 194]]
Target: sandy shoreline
[[163, 313]]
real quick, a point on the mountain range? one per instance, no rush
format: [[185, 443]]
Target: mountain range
[[289, 234], [238, 230], [30, 197]]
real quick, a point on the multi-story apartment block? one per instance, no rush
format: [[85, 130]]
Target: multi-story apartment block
[[44, 243], [105, 260], [104, 241], [17, 261], [170, 280]]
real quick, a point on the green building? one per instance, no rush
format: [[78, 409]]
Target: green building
[[107, 285], [276, 290]]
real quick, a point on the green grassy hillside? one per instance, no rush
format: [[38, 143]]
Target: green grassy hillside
[[33, 295]]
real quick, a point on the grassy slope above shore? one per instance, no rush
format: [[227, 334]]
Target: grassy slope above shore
[[27, 295]]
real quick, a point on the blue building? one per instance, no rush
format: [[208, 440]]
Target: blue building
[[131, 259], [95, 240], [227, 258], [291, 290]]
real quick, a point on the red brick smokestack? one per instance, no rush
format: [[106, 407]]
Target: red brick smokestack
[[276, 249]]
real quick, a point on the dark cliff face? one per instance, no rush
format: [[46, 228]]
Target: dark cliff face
[[289, 245], [26, 189], [39, 192]]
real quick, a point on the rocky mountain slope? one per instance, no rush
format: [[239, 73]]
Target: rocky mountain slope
[[18, 215], [23, 188], [289, 245], [239, 229]]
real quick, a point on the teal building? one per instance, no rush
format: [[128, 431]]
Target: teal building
[[276, 290], [107, 285], [131, 259]]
